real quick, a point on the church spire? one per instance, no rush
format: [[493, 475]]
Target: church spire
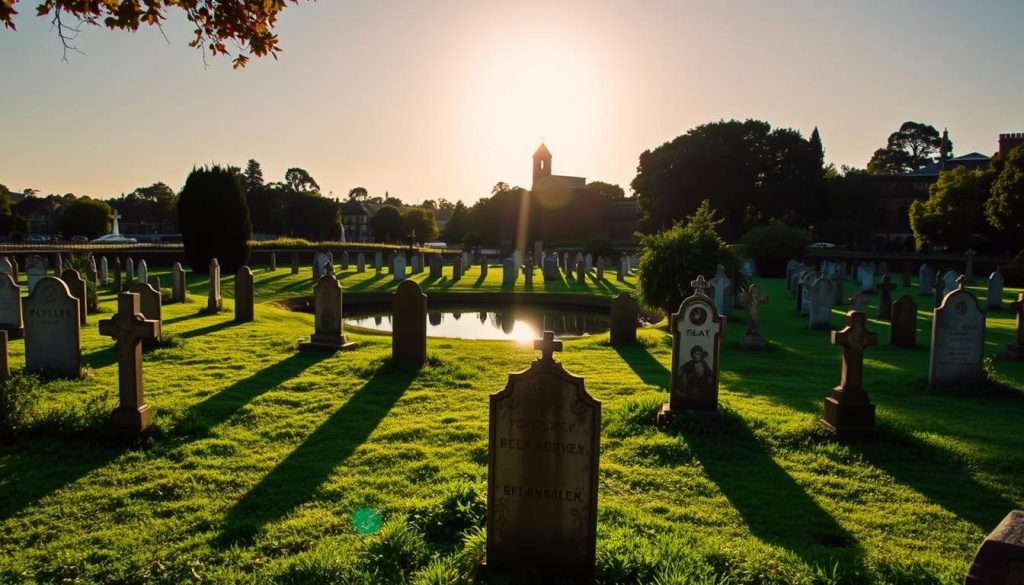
[[541, 164]]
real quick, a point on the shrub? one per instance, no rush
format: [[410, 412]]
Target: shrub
[[672, 258], [771, 246], [214, 219], [17, 397], [1013, 273]]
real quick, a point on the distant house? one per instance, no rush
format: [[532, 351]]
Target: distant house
[[355, 218], [40, 213]]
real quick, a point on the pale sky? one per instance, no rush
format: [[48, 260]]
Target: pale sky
[[445, 98]]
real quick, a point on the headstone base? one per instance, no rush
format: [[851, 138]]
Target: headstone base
[[328, 343], [666, 415], [1015, 352], [131, 422], [753, 342], [849, 417], [214, 307], [1000, 559]]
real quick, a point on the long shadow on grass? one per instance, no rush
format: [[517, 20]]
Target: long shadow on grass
[[644, 365], [775, 508], [208, 329], [296, 479]]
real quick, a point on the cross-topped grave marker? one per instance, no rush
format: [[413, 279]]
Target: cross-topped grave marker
[[697, 329], [753, 299], [848, 409], [128, 328], [547, 346]]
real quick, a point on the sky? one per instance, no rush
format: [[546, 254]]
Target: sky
[[444, 98]]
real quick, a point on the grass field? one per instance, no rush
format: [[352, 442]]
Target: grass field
[[261, 457]]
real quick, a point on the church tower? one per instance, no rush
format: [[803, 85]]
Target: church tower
[[541, 164]]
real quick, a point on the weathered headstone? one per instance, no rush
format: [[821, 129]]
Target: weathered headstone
[[328, 332], [417, 263], [885, 298], [398, 268], [35, 270], [150, 303], [483, 266], [722, 286], [436, 263], [820, 310], [907, 274], [143, 271], [848, 409], [244, 295], [625, 312], [319, 260], [903, 332], [77, 287], [378, 261], [104, 271], [117, 275], [295, 262], [949, 280], [128, 328], [11, 319], [344, 260], [867, 279], [994, 298], [508, 271], [620, 274], [179, 289], [939, 286], [91, 274], [581, 273], [697, 329], [600, 269], [969, 263], [544, 447], [958, 338], [409, 324], [1000, 559], [1015, 350], [753, 299], [925, 278], [457, 267], [53, 338], [129, 273], [273, 261], [360, 262], [214, 302]]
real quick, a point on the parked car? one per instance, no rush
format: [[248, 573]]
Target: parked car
[[114, 239], [79, 240], [822, 245]]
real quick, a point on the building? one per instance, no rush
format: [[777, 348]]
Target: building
[[355, 218]]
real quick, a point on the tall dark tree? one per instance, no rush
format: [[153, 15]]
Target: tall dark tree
[[607, 191], [387, 224], [458, 224], [214, 219], [952, 217], [420, 224], [252, 178], [84, 217], [817, 146], [358, 194], [1004, 208], [911, 147], [300, 180]]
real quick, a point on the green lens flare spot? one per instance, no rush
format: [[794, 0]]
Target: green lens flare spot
[[367, 521]]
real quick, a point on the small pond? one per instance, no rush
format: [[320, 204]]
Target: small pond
[[508, 323]]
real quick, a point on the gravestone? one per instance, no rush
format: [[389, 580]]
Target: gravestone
[[1000, 558], [994, 296], [409, 324], [625, 312], [58, 264], [378, 260], [1015, 350], [508, 274], [528, 272], [91, 274], [858, 302], [806, 282], [391, 263], [53, 338], [436, 266], [11, 319], [417, 263], [273, 261], [128, 328], [150, 305], [838, 282], [178, 287], [939, 286], [398, 268], [154, 281], [883, 267], [903, 332], [969, 263], [214, 302], [344, 259], [958, 338], [550, 267], [295, 262], [129, 273], [457, 268], [620, 274], [600, 269], [581, 273], [77, 288], [104, 271], [885, 298], [722, 287], [328, 331], [588, 262], [244, 295], [143, 272], [753, 299], [117, 275], [538, 251], [848, 410], [925, 278], [319, 260], [543, 458], [820, 304], [697, 329], [360, 263], [948, 281], [867, 279], [907, 283], [6, 267], [35, 270]]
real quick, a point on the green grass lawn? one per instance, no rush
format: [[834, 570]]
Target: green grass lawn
[[261, 456]]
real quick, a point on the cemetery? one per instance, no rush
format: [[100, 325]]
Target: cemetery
[[243, 431]]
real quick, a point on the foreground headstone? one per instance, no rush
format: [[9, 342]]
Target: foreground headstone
[[328, 330], [214, 302], [150, 302], [625, 312], [1015, 350], [958, 338], [543, 457], [994, 298], [244, 295], [178, 287], [697, 329], [76, 284], [903, 332], [409, 324], [848, 409], [1000, 559], [128, 328], [11, 319], [753, 299], [53, 338]]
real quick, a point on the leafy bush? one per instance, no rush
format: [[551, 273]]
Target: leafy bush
[[771, 246], [600, 248], [17, 397], [1013, 273], [214, 219], [672, 258]]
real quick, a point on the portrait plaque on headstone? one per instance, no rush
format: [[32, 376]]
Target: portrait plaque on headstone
[[958, 338], [697, 329], [543, 454]]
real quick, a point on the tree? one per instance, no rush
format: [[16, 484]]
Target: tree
[[607, 191], [952, 216], [420, 223], [84, 217], [358, 194], [252, 178], [817, 146], [458, 224], [300, 180], [772, 245], [751, 173], [217, 23], [5, 200], [214, 219], [387, 224], [672, 258], [1004, 208], [911, 147]]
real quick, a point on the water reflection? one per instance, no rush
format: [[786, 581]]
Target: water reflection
[[519, 324]]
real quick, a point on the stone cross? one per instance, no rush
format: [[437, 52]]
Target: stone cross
[[1016, 350], [753, 299], [848, 409], [128, 328], [547, 346], [700, 286], [885, 301], [116, 231]]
